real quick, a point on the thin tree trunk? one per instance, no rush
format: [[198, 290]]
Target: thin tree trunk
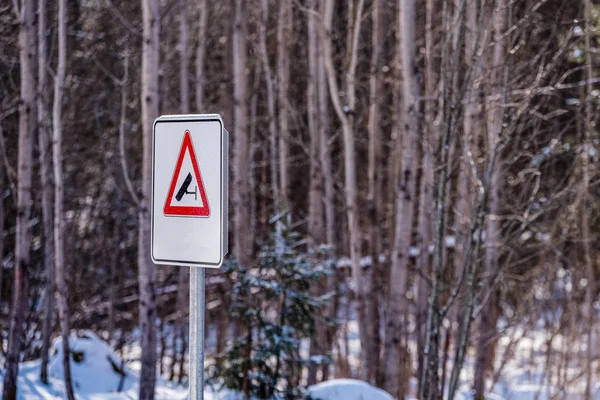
[[2, 177], [284, 34], [325, 160], [22, 238], [200, 54], [46, 183], [426, 202], [489, 315], [268, 75], [146, 270], [59, 221], [374, 198], [184, 60], [407, 194], [183, 276], [316, 232], [241, 178], [345, 115], [585, 203], [466, 196]]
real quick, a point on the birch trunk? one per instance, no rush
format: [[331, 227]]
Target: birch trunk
[[200, 54], [489, 315], [146, 271], [394, 379], [373, 278], [345, 115], [586, 203], [183, 273], [23, 202], [284, 34], [466, 197], [316, 235], [59, 242], [427, 203], [46, 183], [268, 75], [241, 195], [325, 159], [2, 177]]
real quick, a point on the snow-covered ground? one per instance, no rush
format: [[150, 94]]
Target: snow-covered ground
[[96, 376]]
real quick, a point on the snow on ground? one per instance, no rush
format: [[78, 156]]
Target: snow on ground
[[95, 376], [524, 375], [96, 373], [347, 389]]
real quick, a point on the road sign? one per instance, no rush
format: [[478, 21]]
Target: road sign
[[189, 190]]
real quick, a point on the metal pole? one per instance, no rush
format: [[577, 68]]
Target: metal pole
[[197, 298]]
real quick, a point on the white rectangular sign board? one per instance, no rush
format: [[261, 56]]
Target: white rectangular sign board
[[189, 190]]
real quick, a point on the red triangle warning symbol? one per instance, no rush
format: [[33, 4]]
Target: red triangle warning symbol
[[187, 197]]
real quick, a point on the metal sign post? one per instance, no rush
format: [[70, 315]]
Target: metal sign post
[[197, 307], [190, 190]]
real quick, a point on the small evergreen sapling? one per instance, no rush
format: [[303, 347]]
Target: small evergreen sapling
[[274, 311]]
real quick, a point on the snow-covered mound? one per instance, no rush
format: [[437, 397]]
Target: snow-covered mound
[[94, 366], [347, 389], [97, 372]]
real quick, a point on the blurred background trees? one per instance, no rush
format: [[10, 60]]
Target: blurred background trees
[[439, 155]]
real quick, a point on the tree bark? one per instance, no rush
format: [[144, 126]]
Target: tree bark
[[200, 54], [329, 195], [588, 130], [146, 271], [394, 377], [316, 232], [268, 76], [284, 34], [489, 315], [426, 196], [374, 198], [183, 274], [46, 183], [22, 237], [241, 170], [59, 220]]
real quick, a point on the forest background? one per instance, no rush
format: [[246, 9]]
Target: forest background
[[436, 160]]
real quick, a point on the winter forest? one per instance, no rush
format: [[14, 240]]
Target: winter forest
[[414, 198]]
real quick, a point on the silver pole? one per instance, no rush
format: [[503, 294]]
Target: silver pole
[[197, 298]]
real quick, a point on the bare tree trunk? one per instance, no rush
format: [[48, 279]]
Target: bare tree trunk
[[241, 171], [200, 54], [46, 183], [426, 202], [284, 34], [146, 270], [268, 75], [345, 115], [489, 315], [466, 197], [585, 204], [22, 239], [316, 235], [183, 273], [2, 177], [329, 196], [407, 194], [184, 59], [373, 278], [59, 221]]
